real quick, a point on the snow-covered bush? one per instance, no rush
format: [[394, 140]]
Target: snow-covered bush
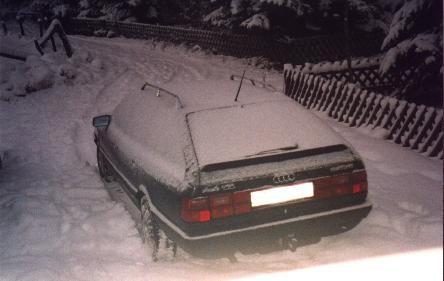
[[257, 21], [47, 71], [218, 17], [415, 40], [39, 77]]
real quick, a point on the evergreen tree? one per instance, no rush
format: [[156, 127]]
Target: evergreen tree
[[415, 41]]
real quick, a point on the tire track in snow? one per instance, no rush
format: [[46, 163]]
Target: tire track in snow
[[151, 63]]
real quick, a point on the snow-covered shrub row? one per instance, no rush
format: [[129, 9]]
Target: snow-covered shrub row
[[43, 72], [417, 127]]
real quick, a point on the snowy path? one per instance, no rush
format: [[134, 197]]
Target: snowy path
[[59, 223]]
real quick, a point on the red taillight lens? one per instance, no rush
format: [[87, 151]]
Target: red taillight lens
[[195, 209], [332, 181], [242, 197], [195, 203], [342, 190], [221, 212], [221, 205], [359, 181], [242, 202], [340, 185], [359, 177], [220, 200], [202, 209], [196, 216]]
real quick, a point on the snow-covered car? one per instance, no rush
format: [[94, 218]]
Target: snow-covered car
[[202, 165]]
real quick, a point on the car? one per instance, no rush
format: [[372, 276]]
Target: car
[[218, 161]]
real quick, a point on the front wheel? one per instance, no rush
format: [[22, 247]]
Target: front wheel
[[161, 247]]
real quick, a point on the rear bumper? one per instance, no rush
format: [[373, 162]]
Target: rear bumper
[[322, 223]]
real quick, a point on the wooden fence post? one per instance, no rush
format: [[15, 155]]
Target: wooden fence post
[[20, 20], [5, 29], [410, 114], [413, 131]]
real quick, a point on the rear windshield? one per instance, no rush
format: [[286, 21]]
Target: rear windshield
[[241, 132]]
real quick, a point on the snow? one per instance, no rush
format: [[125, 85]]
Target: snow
[[236, 6], [402, 21], [217, 17], [227, 134], [333, 66], [258, 21], [60, 10], [424, 42], [391, 267], [59, 223], [144, 137]]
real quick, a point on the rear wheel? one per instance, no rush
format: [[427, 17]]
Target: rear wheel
[[161, 247], [105, 170]]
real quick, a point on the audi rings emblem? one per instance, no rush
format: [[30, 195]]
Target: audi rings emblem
[[284, 178]]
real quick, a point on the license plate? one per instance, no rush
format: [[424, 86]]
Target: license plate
[[281, 194]]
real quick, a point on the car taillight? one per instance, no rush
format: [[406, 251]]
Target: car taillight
[[340, 185], [202, 209], [221, 205], [242, 202], [206, 208], [195, 209]]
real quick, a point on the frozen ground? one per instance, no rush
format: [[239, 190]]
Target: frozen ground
[[59, 223]]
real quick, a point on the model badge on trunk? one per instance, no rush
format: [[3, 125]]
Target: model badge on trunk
[[223, 187], [341, 167]]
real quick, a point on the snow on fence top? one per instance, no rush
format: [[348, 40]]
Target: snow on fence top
[[332, 66], [364, 73]]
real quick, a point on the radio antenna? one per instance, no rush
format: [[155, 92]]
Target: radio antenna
[[240, 85]]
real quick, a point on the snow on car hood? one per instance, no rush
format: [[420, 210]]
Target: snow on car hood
[[238, 132]]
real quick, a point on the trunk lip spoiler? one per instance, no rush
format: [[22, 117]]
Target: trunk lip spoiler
[[278, 157]]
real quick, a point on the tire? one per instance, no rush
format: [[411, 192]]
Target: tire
[[160, 246], [105, 170]]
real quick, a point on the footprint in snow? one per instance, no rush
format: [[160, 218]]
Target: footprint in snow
[[413, 208]]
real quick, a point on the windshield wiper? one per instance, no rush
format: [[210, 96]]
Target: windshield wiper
[[274, 150]]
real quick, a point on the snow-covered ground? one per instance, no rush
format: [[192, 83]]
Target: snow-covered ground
[[58, 221]]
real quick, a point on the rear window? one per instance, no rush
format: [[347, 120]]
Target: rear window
[[240, 132]]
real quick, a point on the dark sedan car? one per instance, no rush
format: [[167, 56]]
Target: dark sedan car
[[203, 167]]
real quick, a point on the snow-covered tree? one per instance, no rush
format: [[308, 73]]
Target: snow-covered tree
[[415, 40], [256, 14], [366, 15], [296, 17]]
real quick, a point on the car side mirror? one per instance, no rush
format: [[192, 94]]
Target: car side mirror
[[101, 121]]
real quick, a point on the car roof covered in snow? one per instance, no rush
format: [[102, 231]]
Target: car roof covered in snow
[[261, 120], [160, 126], [205, 94]]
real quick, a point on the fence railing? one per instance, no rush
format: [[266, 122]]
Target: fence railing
[[313, 49], [415, 126]]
